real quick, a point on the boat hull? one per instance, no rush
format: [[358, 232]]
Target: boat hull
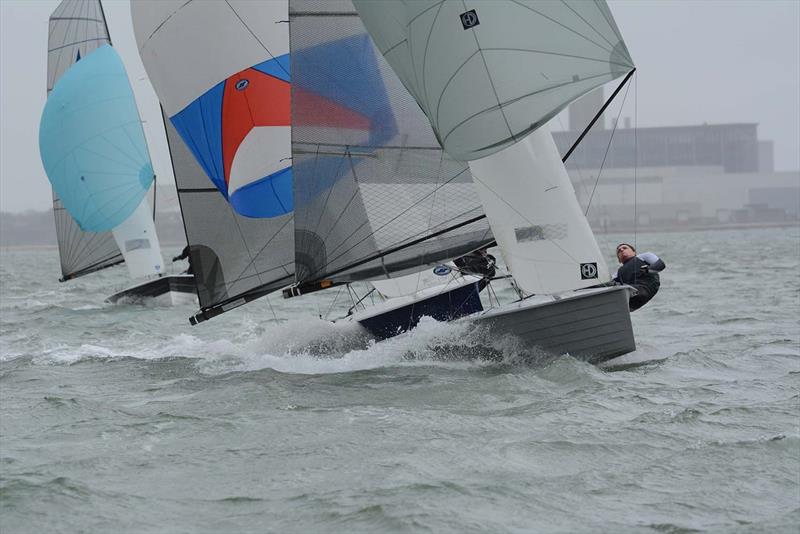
[[592, 325], [444, 306], [170, 289]]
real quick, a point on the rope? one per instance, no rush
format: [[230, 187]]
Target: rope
[[335, 298], [274, 315], [610, 140]]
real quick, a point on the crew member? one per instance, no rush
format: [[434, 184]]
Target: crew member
[[479, 263], [184, 255], [640, 272]]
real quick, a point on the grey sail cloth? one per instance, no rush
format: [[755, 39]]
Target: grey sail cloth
[[489, 72], [77, 28], [374, 192], [231, 255]]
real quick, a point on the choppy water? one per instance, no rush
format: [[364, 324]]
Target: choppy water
[[126, 419]]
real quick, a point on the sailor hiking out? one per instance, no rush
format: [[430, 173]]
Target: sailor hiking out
[[640, 272]]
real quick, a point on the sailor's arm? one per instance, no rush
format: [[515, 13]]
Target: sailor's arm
[[654, 262]]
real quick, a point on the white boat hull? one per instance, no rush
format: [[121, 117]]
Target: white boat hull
[[591, 324]]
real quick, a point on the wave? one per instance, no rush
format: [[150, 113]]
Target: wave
[[308, 346]]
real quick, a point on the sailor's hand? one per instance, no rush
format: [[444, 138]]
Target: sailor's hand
[[176, 258]]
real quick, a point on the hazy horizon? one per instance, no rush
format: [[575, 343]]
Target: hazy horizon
[[698, 62]]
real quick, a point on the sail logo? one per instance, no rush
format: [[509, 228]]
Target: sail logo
[[588, 271], [469, 19], [242, 84], [441, 270]]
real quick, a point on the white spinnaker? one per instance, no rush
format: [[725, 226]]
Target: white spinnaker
[[544, 237], [189, 47], [488, 72], [136, 238]]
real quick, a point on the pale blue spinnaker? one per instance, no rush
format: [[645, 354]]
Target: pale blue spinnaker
[[92, 143]]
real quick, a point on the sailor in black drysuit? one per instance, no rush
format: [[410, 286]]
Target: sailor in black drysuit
[[640, 272], [184, 255], [478, 263]]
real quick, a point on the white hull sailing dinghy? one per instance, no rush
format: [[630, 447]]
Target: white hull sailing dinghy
[[488, 79], [94, 152]]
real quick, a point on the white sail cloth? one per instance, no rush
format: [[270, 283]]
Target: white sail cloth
[[189, 47], [543, 235], [137, 239], [488, 72]]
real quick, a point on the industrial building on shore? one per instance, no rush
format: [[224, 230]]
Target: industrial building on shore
[[676, 177]]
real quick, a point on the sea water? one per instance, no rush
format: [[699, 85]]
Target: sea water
[[123, 418]]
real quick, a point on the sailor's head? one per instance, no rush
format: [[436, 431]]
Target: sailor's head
[[625, 252]]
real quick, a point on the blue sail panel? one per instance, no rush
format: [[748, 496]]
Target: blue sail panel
[[200, 126], [269, 197], [92, 144]]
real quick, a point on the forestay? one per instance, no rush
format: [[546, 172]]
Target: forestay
[[220, 70], [486, 72], [76, 29], [375, 195]]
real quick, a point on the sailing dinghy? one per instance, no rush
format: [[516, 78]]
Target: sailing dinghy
[[95, 155], [489, 75], [222, 74]]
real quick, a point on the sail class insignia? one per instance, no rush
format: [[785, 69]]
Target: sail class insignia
[[588, 271], [469, 19]]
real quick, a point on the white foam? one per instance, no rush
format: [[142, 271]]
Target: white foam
[[300, 346]]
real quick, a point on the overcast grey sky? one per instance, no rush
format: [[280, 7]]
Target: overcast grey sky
[[698, 61]]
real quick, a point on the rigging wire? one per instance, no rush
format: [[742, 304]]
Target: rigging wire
[[335, 298], [274, 315], [608, 147]]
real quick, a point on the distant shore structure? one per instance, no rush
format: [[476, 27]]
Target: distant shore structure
[[674, 177]]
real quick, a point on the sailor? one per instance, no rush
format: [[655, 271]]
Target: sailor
[[640, 272], [184, 255], [479, 263]]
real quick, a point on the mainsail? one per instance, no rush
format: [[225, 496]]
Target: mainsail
[[221, 72], [375, 195], [77, 28], [234, 258]]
